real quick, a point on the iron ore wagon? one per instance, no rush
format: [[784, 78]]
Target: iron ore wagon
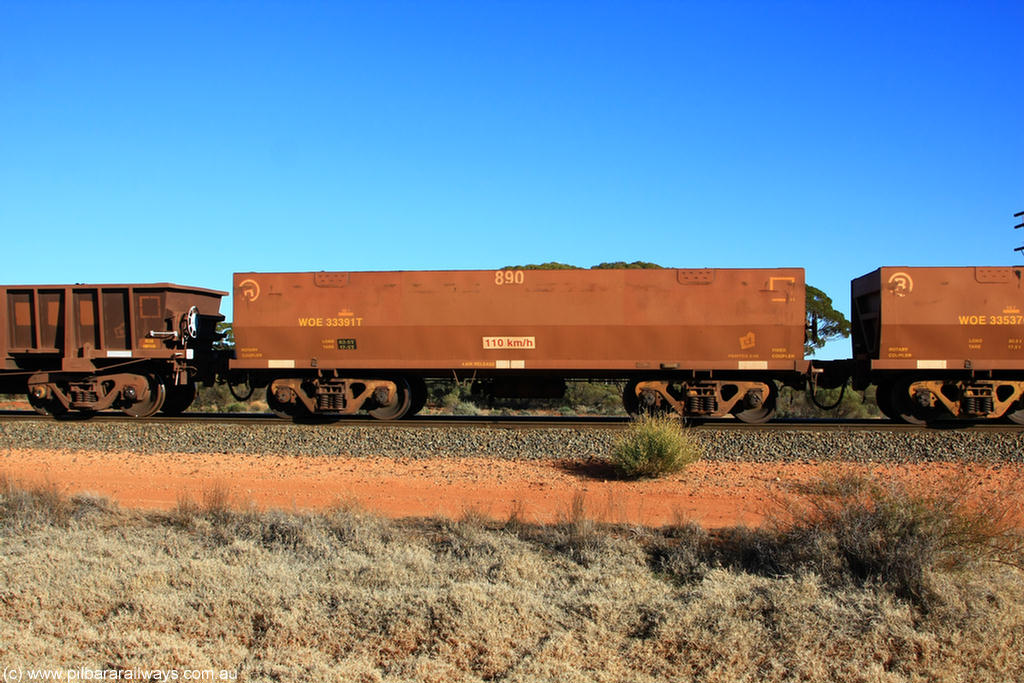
[[941, 343], [703, 342]]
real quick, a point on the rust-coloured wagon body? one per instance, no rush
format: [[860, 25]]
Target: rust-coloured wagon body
[[676, 335], [137, 347], [941, 342]]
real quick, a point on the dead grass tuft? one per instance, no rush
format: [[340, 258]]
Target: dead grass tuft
[[217, 503], [856, 528], [185, 512], [580, 539], [516, 521], [683, 553], [475, 515], [42, 504]]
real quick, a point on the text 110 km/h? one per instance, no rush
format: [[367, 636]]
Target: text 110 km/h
[[510, 342]]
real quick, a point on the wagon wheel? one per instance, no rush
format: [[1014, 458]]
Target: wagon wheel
[[419, 395], [1016, 414], [244, 394], [902, 405], [630, 401], [285, 411], [148, 405], [47, 406], [762, 413], [179, 398], [403, 401], [883, 398]]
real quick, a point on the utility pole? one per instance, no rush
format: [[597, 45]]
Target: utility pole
[[1019, 225]]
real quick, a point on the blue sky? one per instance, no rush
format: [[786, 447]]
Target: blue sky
[[183, 141]]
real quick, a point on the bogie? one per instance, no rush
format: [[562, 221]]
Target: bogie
[[750, 400], [921, 399], [329, 396]]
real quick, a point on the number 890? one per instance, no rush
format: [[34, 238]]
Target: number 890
[[509, 277]]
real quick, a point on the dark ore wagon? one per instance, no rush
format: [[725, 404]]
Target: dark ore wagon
[[139, 348]]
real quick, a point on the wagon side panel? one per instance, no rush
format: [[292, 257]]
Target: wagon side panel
[[587, 320]]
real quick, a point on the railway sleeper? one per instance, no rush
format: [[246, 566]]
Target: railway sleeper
[[977, 399], [749, 401], [332, 396]]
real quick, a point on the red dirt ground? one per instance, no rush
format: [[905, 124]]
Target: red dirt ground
[[714, 494]]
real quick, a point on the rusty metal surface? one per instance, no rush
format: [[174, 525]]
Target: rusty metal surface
[[509, 320], [80, 327], [928, 318]]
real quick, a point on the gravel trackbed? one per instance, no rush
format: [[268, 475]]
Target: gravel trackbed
[[538, 475]]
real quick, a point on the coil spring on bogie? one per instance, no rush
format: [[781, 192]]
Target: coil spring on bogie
[[976, 405], [84, 396], [701, 404], [330, 401], [330, 397]]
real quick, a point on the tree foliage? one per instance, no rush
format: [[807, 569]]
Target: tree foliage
[[624, 265], [630, 266], [550, 265], [821, 316], [608, 265], [227, 340]]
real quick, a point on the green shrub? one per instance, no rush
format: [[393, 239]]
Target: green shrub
[[653, 446], [854, 405], [465, 408], [602, 398], [451, 399]]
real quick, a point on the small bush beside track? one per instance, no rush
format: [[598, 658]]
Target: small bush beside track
[[655, 445]]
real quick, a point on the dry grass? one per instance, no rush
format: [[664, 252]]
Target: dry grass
[[349, 596], [852, 525], [28, 506]]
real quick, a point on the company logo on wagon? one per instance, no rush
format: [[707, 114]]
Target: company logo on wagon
[[250, 289], [901, 283]]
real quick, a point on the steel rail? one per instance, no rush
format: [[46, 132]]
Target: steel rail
[[517, 422]]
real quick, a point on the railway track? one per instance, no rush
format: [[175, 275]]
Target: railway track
[[524, 422]]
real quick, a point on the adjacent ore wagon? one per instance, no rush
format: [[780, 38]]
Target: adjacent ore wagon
[[941, 342], [706, 342], [137, 348]]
